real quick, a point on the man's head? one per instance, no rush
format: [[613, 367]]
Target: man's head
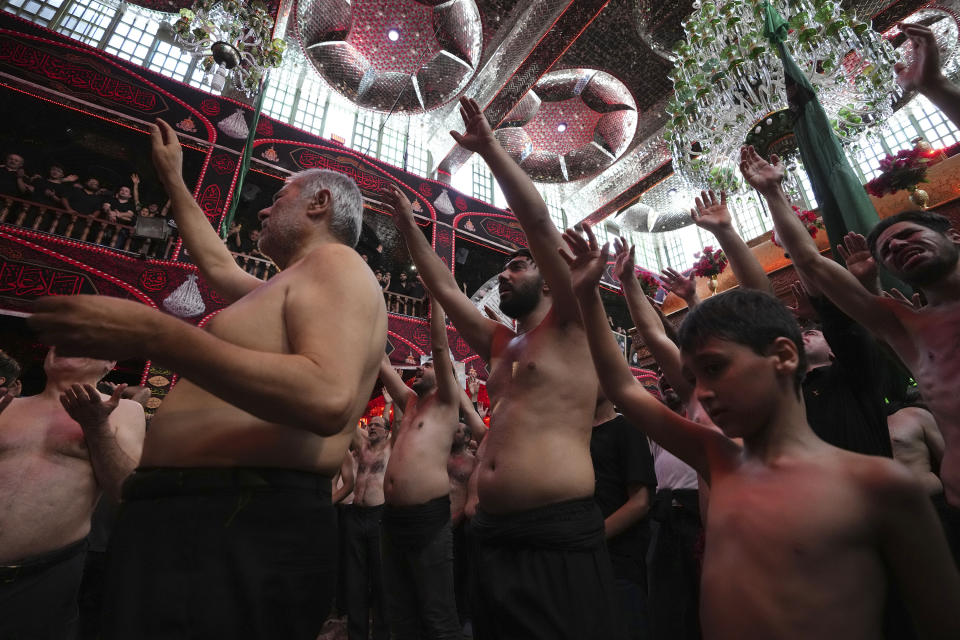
[[92, 185], [71, 370], [9, 373], [815, 346], [56, 171], [744, 353], [377, 429], [310, 198], [154, 208], [919, 247], [403, 276], [521, 285], [670, 397], [14, 162], [124, 193], [425, 379]]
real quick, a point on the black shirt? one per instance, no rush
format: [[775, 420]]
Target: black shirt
[[121, 207], [621, 459], [42, 185], [88, 204], [8, 183], [845, 404]]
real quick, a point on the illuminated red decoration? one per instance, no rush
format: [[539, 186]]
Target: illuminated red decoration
[[510, 232], [223, 164], [308, 159], [426, 190], [153, 280], [23, 280], [460, 203], [167, 6], [79, 75], [210, 201], [210, 107], [264, 127]]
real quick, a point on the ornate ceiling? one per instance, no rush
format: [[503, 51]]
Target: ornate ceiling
[[522, 61]]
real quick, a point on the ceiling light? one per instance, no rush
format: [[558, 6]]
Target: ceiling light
[[562, 127], [393, 35]]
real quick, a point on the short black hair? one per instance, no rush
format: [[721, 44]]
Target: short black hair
[[9, 369], [522, 252], [927, 219], [751, 318]]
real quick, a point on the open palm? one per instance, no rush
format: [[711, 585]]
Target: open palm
[[624, 268], [477, 134], [761, 175], [586, 260]]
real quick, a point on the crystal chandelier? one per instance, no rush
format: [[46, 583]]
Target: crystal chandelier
[[233, 40], [729, 85]]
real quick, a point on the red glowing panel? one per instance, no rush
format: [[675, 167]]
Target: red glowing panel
[[413, 25], [577, 119]]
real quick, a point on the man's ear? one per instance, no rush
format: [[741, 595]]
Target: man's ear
[[786, 354], [320, 203], [953, 235]]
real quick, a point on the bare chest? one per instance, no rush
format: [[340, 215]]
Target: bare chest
[[460, 467], [32, 427], [372, 461], [256, 320]]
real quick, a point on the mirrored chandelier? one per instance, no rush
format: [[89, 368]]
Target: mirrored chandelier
[[233, 40], [729, 83]]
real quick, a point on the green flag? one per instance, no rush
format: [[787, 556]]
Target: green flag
[[245, 160], [844, 204]]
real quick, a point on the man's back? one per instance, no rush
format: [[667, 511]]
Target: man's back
[[194, 428], [538, 447]]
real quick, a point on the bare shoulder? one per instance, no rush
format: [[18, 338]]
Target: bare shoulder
[[338, 270], [885, 480], [131, 413]]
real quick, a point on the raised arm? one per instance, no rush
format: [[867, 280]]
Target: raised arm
[[210, 254], [684, 287], [835, 282], [478, 430], [713, 215], [647, 321], [687, 440], [113, 430], [475, 328], [393, 383], [526, 203], [448, 388], [924, 74]]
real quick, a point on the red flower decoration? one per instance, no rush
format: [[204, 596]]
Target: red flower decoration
[[710, 262], [810, 221], [903, 171]]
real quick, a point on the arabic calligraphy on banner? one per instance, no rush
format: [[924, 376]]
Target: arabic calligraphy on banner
[[78, 74], [309, 159], [25, 280]]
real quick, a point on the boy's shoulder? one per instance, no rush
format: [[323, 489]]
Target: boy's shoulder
[[879, 477]]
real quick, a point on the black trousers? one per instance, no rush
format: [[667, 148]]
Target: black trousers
[[221, 553], [544, 574], [950, 519], [673, 566], [417, 544], [461, 568], [364, 579], [341, 598], [38, 596]]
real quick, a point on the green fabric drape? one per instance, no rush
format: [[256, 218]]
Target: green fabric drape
[[245, 160]]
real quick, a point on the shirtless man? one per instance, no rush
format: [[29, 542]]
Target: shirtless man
[[918, 444], [460, 468], [59, 451], [417, 532], [804, 538], [245, 446], [364, 575], [535, 481]]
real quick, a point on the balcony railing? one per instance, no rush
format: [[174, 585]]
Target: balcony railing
[[405, 305]]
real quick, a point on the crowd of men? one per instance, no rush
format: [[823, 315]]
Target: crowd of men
[[772, 493]]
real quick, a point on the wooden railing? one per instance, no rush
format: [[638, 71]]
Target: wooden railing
[[256, 266], [398, 303], [77, 226]]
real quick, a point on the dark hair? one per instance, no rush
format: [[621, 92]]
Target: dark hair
[[751, 318], [9, 369], [927, 219], [521, 253]]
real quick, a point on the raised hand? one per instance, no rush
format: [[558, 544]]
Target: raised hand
[[712, 214], [914, 302], [682, 286], [763, 176], [624, 268], [802, 308], [135, 179], [166, 151], [477, 135], [586, 260], [400, 208], [84, 404], [924, 72], [858, 259]]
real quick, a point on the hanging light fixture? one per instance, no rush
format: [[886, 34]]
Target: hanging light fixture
[[232, 39], [729, 88]]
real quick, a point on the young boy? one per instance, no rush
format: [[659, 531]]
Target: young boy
[[803, 538]]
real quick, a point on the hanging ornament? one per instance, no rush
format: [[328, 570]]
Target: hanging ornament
[[443, 204], [271, 154], [186, 300], [234, 126]]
